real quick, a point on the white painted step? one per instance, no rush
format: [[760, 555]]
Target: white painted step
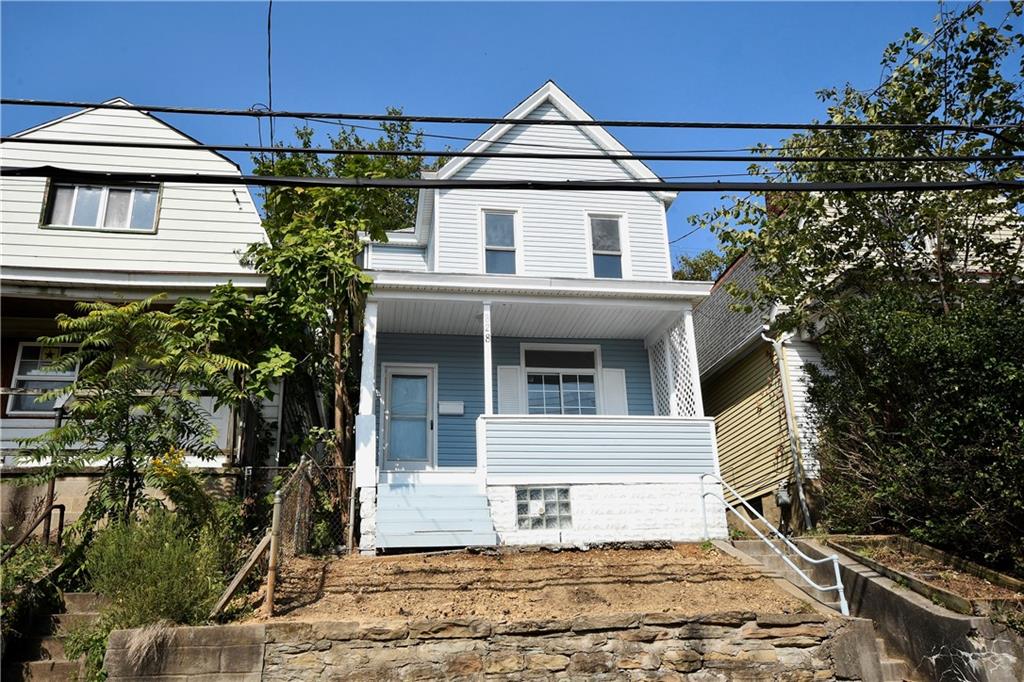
[[419, 516]]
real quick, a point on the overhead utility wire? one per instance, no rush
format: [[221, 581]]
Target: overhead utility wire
[[541, 145], [67, 175], [988, 128], [615, 156]]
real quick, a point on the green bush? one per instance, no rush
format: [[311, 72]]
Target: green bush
[[153, 570], [921, 420], [23, 583]]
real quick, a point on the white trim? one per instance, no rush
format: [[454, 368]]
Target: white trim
[[119, 280], [517, 238], [488, 361], [549, 92], [691, 354], [367, 380], [670, 266], [430, 370], [577, 347], [445, 476], [511, 287], [579, 479]]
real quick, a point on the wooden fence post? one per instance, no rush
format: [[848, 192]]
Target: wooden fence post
[[275, 543]]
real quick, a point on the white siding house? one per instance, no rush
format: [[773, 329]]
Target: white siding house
[[529, 366], [61, 243]]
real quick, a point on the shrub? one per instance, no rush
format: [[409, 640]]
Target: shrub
[[153, 570], [921, 421]]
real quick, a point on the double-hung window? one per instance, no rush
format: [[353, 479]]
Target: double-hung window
[[606, 246], [100, 207], [499, 243], [34, 369], [561, 381]]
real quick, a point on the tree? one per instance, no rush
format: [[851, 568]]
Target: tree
[[813, 248], [916, 296], [316, 290], [134, 402], [706, 265]]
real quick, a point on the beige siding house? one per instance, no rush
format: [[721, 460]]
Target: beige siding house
[[757, 393]]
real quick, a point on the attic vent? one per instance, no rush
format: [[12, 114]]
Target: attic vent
[[538, 508]]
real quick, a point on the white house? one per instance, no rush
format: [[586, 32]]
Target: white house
[[61, 243], [529, 366]]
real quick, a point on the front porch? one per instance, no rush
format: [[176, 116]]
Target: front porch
[[540, 417]]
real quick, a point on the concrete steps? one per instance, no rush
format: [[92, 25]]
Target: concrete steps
[[423, 516], [40, 654]]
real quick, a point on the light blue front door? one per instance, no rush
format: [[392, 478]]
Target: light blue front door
[[409, 418]]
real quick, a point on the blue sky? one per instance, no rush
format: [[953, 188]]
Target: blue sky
[[693, 61]]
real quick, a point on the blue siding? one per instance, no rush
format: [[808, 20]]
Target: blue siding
[[460, 377], [460, 368], [627, 354]]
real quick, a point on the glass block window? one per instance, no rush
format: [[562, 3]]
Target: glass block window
[[543, 508]]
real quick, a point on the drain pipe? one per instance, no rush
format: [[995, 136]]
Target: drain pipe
[[787, 401]]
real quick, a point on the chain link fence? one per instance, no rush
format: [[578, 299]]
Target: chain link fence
[[316, 505]]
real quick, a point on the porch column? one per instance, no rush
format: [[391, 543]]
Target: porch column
[[366, 423], [691, 360], [488, 369]]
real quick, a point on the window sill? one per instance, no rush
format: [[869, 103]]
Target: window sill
[[102, 230]]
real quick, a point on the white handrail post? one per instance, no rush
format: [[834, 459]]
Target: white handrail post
[[704, 507], [844, 608]]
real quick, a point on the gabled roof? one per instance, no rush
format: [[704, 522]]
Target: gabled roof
[[123, 102], [551, 93]]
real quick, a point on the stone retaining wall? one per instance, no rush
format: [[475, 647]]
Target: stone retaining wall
[[662, 646]]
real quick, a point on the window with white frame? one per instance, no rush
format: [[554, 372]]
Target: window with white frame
[[560, 381], [499, 243], [35, 369], [606, 246], [100, 207]]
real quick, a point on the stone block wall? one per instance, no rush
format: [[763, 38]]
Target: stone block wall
[[662, 646]]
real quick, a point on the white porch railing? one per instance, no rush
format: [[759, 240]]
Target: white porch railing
[[594, 449]]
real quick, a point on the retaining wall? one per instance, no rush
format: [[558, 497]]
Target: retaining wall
[[662, 646]]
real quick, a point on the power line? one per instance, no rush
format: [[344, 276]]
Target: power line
[[990, 128], [615, 156], [69, 175], [541, 145], [270, 71]]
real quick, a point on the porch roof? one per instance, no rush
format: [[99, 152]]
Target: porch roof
[[442, 303]]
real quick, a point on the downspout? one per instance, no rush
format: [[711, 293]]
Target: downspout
[[794, 441]]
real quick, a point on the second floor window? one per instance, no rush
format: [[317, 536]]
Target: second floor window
[[104, 208], [606, 245], [499, 243]]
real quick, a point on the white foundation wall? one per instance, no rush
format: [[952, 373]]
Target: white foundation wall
[[367, 511], [610, 512]]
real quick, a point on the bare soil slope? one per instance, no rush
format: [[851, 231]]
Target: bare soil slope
[[526, 585]]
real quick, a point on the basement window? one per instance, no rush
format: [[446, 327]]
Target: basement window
[[540, 508]]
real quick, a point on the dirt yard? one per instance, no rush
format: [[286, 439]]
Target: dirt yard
[[526, 585], [939, 574]]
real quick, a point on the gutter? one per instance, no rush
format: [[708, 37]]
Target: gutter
[[794, 440]]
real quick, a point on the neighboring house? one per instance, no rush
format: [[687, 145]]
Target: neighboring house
[[529, 366], [757, 392], [63, 243]]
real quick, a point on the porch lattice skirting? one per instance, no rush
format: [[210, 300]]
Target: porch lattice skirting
[[674, 372]]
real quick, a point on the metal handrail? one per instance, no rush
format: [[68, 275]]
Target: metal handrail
[[46, 514], [844, 607]]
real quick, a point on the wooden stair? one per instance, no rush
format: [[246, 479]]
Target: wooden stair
[[422, 516]]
